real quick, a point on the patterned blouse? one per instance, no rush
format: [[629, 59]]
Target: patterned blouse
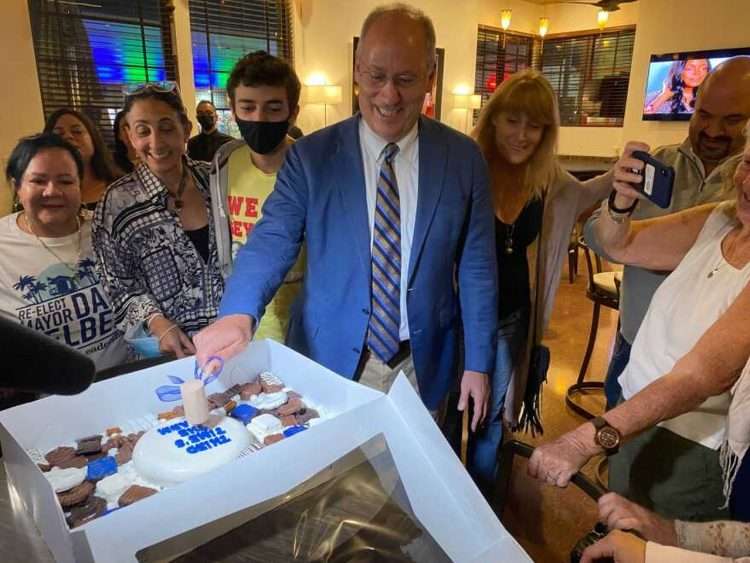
[[145, 259]]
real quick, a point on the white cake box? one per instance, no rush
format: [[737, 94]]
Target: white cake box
[[440, 491]]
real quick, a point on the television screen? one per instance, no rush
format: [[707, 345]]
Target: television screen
[[675, 78]]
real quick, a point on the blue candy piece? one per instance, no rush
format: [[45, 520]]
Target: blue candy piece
[[244, 413], [292, 430], [101, 468]]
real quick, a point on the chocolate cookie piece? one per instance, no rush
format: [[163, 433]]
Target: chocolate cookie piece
[[288, 420], [87, 511], [76, 495], [249, 389], [272, 439], [233, 390], [60, 454], [77, 461], [290, 407], [44, 467], [112, 431], [216, 400], [89, 445], [305, 415], [134, 493], [124, 454]]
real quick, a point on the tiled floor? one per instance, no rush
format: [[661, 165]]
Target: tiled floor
[[548, 521]]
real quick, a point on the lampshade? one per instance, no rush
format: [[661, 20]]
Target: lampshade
[[505, 19], [601, 18], [322, 94], [467, 101]]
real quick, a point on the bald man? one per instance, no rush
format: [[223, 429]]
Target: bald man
[[702, 163]]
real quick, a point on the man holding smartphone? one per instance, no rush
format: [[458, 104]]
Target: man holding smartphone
[[702, 163]]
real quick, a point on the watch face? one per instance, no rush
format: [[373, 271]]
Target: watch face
[[609, 438]]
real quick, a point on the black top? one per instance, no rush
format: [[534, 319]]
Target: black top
[[204, 145], [199, 238], [512, 262]]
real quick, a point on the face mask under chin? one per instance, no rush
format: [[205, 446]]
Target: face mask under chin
[[263, 137]]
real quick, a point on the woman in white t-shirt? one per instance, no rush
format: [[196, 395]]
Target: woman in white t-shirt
[[47, 276], [687, 356]]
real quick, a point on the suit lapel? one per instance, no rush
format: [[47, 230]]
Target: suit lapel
[[433, 159], [351, 187]]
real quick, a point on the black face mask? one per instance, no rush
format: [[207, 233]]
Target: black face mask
[[207, 122], [263, 136]]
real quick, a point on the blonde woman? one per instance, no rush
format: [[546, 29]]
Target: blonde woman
[[534, 200]]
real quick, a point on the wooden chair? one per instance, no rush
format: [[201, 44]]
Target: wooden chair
[[604, 291]]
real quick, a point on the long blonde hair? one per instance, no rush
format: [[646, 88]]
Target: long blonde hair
[[526, 92]]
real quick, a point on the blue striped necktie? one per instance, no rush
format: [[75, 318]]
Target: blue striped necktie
[[383, 333]]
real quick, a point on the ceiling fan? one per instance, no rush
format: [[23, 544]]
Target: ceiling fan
[[606, 5]]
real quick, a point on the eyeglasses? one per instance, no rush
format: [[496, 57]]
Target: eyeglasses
[[376, 79], [160, 87]]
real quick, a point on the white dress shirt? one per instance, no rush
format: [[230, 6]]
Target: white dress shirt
[[406, 166]]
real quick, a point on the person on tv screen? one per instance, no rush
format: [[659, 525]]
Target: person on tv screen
[[680, 87]]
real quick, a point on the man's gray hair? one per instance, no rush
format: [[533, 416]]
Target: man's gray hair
[[414, 14]]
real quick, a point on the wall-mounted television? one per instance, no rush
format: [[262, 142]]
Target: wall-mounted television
[[675, 78]]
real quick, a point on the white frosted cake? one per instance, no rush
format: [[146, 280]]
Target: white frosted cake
[[175, 451]]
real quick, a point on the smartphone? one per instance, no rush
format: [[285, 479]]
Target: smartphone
[[658, 180]]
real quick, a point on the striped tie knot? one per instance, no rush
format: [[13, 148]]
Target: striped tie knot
[[389, 152]]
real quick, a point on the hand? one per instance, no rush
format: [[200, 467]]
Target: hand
[[628, 171], [619, 513], [558, 461], [475, 385], [225, 338], [171, 338], [620, 546]]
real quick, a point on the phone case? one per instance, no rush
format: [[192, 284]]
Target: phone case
[[658, 180]]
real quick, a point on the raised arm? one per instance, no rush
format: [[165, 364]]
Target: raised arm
[[655, 244]]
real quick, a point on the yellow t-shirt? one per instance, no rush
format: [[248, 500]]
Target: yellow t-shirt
[[249, 187]]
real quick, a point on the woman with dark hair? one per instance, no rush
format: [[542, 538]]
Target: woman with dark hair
[[153, 233], [124, 155], [680, 87], [47, 276], [98, 168]]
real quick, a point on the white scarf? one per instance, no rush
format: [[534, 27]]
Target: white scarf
[[737, 440]]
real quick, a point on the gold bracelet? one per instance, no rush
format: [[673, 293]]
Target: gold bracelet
[[163, 334]]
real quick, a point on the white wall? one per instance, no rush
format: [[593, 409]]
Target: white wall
[[19, 97]]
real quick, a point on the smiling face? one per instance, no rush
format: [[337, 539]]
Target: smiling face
[[158, 135], [695, 72], [393, 75], [72, 129], [50, 193], [517, 136]]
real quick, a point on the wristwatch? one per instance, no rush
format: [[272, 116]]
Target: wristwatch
[[606, 436]]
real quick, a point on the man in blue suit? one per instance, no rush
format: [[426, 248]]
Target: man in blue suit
[[395, 211]]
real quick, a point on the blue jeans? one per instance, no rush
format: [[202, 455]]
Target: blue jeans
[[483, 457], [620, 359]]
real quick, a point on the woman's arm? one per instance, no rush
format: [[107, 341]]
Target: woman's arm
[[710, 368], [655, 244]]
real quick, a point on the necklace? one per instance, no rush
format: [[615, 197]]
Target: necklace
[[72, 266], [509, 238], [716, 268], [177, 197]]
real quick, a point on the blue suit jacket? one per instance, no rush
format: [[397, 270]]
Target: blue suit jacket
[[320, 198]]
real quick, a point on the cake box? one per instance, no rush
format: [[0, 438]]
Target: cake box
[[442, 494]]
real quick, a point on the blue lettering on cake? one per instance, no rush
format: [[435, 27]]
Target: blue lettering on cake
[[197, 438]]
